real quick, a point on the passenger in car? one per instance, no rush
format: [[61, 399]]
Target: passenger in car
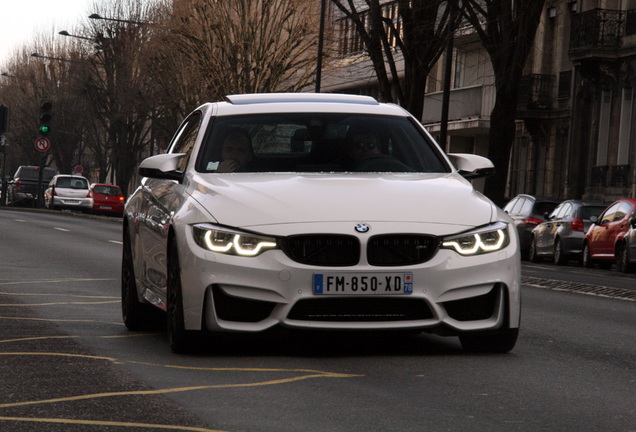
[[236, 152]]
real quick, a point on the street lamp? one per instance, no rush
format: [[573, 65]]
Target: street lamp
[[99, 17], [65, 33], [55, 58]]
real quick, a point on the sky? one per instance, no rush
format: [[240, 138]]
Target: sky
[[21, 20]]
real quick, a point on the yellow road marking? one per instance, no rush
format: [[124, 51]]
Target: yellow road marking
[[309, 374], [56, 295], [107, 423], [41, 281], [60, 320], [26, 339], [58, 303], [170, 390]]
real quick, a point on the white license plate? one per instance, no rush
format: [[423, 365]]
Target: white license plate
[[364, 284], [105, 207]]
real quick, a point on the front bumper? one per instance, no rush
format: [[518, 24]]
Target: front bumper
[[450, 292]]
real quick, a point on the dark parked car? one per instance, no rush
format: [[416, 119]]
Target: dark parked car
[[528, 212], [605, 241], [23, 188], [627, 259], [560, 237]]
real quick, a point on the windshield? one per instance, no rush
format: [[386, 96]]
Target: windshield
[[107, 190], [310, 142], [72, 182]]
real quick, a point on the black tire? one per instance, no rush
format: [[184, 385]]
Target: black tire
[[586, 259], [532, 252], [501, 341], [181, 340], [622, 260], [137, 316], [560, 258]]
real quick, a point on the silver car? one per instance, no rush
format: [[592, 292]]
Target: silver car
[[67, 191], [560, 237]]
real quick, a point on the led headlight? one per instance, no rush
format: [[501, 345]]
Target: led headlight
[[232, 242], [484, 240]]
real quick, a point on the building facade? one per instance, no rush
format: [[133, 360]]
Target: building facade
[[576, 134]]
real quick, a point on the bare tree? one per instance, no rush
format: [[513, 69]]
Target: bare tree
[[246, 46], [419, 32], [118, 85], [507, 29], [55, 75]]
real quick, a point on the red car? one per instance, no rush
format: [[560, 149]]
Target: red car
[[605, 241], [107, 199]]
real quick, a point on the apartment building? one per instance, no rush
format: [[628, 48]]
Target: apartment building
[[576, 128]]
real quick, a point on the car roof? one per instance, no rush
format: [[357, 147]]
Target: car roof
[[263, 103]]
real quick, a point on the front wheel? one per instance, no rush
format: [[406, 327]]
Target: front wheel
[[587, 256], [533, 257], [136, 315], [560, 258], [623, 260], [501, 341], [180, 339]]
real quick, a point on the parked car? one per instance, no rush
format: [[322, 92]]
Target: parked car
[[68, 191], [107, 199], [238, 228], [605, 242], [528, 212], [560, 237], [627, 260], [23, 188]]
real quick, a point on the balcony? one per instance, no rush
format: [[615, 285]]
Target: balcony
[[469, 108], [535, 94], [597, 34]]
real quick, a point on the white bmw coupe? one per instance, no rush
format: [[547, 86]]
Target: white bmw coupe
[[317, 211]]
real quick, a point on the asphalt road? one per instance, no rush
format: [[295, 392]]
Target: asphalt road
[[68, 364]]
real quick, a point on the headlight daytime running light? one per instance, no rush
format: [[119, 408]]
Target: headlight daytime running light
[[231, 242], [490, 239]]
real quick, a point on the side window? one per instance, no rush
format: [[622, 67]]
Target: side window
[[557, 212], [184, 143], [526, 208], [565, 211], [508, 208], [622, 211], [517, 208], [609, 214]]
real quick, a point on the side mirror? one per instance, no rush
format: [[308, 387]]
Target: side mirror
[[471, 166], [162, 166]]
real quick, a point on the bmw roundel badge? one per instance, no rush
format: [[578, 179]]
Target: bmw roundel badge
[[362, 228]]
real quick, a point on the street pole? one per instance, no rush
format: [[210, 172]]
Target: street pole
[[448, 69], [321, 37]]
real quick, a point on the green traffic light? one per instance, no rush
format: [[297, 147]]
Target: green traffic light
[[44, 129]]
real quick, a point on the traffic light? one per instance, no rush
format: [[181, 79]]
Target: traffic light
[[4, 119], [45, 116]]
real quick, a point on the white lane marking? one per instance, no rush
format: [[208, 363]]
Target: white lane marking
[[115, 241], [61, 229]]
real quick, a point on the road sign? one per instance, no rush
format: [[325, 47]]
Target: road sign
[[42, 144], [78, 169]]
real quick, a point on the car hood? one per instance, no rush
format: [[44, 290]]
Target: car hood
[[258, 200]]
